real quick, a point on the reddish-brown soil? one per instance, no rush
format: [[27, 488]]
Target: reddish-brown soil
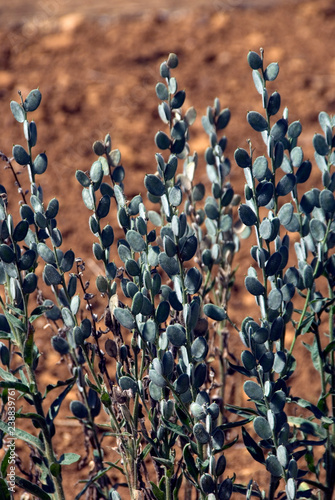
[[97, 69]]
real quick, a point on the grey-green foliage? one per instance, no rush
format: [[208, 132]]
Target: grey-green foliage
[[273, 182], [145, 361]]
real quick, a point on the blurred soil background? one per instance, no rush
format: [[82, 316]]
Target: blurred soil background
[[97, 64]]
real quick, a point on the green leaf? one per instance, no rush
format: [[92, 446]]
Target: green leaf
[[68, 458], [25, 436], [31, 488], [255, 451]]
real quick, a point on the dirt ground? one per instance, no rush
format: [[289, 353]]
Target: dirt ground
[[97, 67]]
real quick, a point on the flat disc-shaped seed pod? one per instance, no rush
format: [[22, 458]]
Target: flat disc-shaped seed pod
[[273, 466], [20, 231], [327, 201], [178, 99], [294, 130], [40, 163], [248, 360], [213, 410], [18, 111], [261, 335], [147, 307], [274, 104], [155, 391], [29, 283], [215, 312], [127, 383], [262, 428], [27, 260], [257, 121], [223, 119], [279, 130], [266, 361], [88, 198], [286, 184], [200, 373], [200, 433], [168, 264], [199, 349], [294, 225], [52, 210], [277, 329], [253, 390], [273, 264], [103, 207], [32, 100], [303, 172], [254, 60], [135, 241], [220, 465], [297, 156], [247, 215], [226, 489], [162, 140], [60, 345], [317, 229], [132, 267], [154, 185], [320, 145], [288, 291], [182, 383], [275, 298], [162, 92], [162, 311], [271, 71], [157, 378], [51, 275], [193, 280], [265, 194], [188, 247], [137, 304], [167, 363], [20, 155], [124, 317], [242, 158], [198, 411], [207, 483], [254, 286], [278, 155], [118, 174], [285, 213], [176, 334], [101, 284], [82, 178], [211, 210], [278, 399]]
